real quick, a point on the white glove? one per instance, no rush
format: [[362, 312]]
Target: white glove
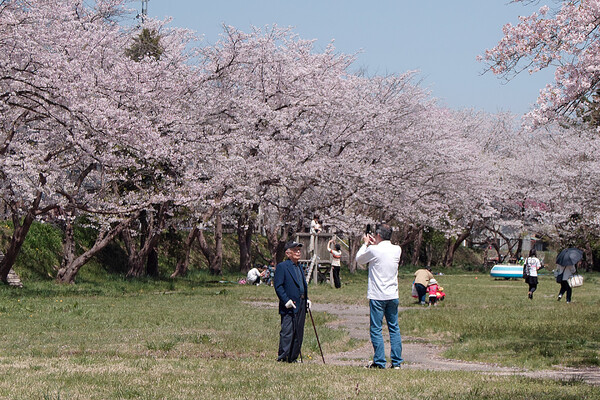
[[308, 304], [290, 304]]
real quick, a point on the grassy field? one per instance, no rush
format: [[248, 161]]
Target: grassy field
[[196, 338]]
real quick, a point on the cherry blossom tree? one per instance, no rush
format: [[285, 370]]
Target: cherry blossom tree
[[276, 104], [566, 39], [571, 203], [259, 125], [80, 118]]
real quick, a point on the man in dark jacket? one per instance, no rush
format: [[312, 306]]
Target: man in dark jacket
[[292, 290]]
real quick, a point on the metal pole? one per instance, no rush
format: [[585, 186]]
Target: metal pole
[[315, 328]]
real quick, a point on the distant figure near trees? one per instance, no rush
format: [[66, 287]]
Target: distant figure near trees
[[315, 229], [336, 257], [563, 275], [253, 277], [530, 268]]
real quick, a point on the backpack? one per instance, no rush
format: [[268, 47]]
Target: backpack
[[526, 269]]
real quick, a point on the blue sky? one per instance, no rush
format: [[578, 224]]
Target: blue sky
[[439, 38]]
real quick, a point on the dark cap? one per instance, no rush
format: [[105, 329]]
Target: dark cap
[[291, 245]]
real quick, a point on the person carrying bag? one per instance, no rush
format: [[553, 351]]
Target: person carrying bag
[[575, 280], [564, 273]]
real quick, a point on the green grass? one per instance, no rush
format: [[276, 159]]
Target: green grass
[[195, 338]]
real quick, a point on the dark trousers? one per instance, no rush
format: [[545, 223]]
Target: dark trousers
[[421, 292], [533, 282], [564, 287], [292, 334], [336, 277]]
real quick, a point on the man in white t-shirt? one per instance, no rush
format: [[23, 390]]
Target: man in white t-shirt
[[383, 258]]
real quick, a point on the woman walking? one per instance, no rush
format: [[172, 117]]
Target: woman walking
[[565, 272], [532, 265]]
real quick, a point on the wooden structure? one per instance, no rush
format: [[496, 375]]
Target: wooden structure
[[317, 263]]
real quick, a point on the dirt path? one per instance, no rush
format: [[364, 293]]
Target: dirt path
[[421, 355]]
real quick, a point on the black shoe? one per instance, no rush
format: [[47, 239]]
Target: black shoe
[[371, 364], [530, 295]]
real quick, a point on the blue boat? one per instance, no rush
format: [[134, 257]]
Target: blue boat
[[507, 271]]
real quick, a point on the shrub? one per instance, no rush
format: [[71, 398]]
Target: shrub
[[41, 253]]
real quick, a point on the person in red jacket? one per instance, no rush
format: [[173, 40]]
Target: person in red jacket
[[433, 290]]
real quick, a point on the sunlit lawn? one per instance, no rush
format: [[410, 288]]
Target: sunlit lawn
[[195, 339]]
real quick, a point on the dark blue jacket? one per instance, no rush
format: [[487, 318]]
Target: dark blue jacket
[[288, 285]]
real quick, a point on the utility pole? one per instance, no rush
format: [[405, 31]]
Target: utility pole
[[144, 10]]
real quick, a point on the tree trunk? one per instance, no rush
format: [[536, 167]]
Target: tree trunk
[[136, 265], [152, 263], [589, 257], [152, 257], [452, 245], [68, 247], [18, 237], [496, 247], [213, 256], [276, 243], [70, 268], [14, 248], [152, 236], [354, 244], [447, 253], [245, 230], [511, 254], [183, 260], [519, 248], [417, 247], [216, 267], [429, 254]]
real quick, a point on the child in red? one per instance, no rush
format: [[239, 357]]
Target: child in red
[[434, 290]]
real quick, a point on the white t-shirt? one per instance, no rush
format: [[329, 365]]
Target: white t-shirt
[[315, 227], [335, 258], [534, 264], [253, 275], [383, 259]]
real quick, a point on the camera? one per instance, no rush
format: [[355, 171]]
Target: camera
[[368, 230]]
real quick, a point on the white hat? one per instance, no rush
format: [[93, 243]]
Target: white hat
[[432, 281]]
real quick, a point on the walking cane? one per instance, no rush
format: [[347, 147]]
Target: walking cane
[[315, 328]]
